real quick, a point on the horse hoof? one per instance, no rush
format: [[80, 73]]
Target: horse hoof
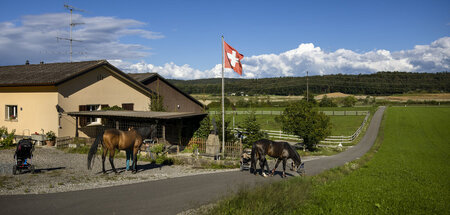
[[264, 175]]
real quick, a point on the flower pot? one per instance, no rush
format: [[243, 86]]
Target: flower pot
[[50, 142]]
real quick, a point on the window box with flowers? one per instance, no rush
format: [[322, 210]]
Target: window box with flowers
[[11, 113]]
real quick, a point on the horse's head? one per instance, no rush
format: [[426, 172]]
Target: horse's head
[[299, 167]]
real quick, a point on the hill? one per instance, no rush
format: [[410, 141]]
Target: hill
[[381, 83]]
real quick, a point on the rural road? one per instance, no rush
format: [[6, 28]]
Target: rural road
[[169, 196]]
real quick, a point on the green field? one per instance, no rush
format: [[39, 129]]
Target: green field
[[342, 125], [406, 172]]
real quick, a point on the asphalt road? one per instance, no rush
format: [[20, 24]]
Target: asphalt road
[[169, 196]]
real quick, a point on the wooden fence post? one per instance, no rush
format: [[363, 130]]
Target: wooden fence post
[[240, 146]]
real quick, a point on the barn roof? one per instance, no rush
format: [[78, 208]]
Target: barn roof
[[142, 77]]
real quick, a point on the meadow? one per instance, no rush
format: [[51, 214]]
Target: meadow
[[341, 125], [406, 172]]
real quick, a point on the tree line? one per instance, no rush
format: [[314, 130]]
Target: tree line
[[380, 83]]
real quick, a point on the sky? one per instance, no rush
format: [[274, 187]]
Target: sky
[[182, 39]]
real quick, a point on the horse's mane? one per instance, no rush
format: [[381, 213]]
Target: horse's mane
[[146, 132], [294, 152]]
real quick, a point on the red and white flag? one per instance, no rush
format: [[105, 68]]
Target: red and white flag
[[232, 58]]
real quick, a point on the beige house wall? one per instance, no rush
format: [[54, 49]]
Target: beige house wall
[[98, 87], [36, 111]]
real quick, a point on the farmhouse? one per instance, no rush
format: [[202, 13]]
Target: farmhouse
[[68, 98]]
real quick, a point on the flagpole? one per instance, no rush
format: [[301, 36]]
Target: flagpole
[[223, 106]]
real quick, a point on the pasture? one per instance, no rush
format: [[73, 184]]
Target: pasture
[[342, 125], [406, 172]]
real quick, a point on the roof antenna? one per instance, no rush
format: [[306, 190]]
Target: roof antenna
[[72, 24]]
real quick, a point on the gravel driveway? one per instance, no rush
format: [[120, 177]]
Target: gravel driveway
[[58, 171]]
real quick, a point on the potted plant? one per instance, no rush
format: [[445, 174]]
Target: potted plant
[[51, 137]]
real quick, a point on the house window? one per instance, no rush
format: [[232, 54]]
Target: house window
[[128, 106], [11, 112], [92, 120], [84, 121]]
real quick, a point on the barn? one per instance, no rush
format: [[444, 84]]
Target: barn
[[70, 99]]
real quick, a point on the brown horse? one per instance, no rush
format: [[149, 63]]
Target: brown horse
[[280, 150], [113, 139]]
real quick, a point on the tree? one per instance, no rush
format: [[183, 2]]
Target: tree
[[229, 136], [310, 97], [305, 121], [349, 101], [157, 103], [251, 130], [327, 102], [205, 128]]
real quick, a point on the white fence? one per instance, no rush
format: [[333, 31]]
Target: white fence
[[279, 135]]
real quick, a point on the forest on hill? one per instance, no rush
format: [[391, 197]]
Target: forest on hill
[[380, 83]]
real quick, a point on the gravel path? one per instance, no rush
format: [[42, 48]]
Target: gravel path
[[58, 171]]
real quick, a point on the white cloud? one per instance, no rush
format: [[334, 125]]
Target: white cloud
[[34, 38], [307, 57]]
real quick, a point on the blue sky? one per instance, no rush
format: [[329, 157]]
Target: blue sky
[[181, 39]]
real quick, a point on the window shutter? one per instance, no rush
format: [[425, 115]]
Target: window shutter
[[83, 119], [128, 106]]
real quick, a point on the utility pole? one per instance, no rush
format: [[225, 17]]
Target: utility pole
[[72, 24]]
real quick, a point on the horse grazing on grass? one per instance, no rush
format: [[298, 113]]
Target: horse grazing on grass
[[113, 139], [282, 151]]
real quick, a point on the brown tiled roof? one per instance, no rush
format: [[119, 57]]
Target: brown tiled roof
[[44, 74]]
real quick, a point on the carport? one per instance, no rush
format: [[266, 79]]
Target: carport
[[175, 128]]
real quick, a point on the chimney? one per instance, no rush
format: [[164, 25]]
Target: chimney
[[27, 62]]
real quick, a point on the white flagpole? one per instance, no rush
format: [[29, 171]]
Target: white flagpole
[[223, 105]]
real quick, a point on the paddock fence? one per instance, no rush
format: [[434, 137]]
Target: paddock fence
[[333, 140]]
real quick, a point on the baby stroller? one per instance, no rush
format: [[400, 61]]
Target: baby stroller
[[23, 156], [245, 159]]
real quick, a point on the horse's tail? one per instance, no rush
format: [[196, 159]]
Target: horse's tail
[[94, 149]]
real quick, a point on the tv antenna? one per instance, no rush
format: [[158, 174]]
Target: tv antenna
[[72, 24]]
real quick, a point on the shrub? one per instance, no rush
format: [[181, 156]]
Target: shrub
[[6, 139], [157, 148], [349, 101], [327, 102]]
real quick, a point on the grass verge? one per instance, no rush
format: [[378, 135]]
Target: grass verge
[[407, 174]]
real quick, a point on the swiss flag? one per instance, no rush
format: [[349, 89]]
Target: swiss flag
[[232, 58]]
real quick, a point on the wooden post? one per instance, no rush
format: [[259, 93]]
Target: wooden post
[[164, 132], [76, 126], [240, 147], [117, 125]]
